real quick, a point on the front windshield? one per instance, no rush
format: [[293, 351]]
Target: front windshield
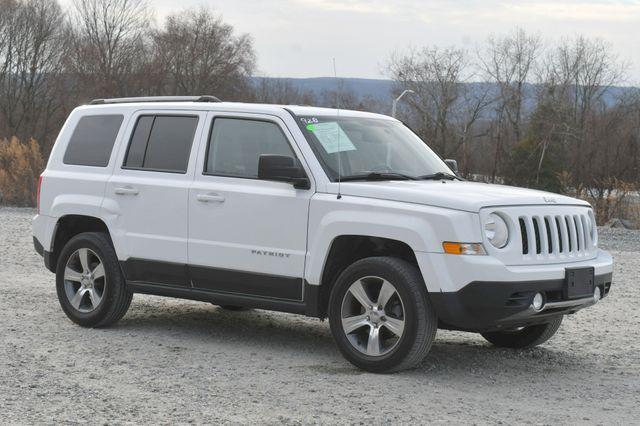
[[369, 146]]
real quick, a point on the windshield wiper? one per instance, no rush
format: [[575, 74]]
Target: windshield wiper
[[377, 176], [438, 176]]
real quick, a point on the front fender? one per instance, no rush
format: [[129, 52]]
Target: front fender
[[422, 228]]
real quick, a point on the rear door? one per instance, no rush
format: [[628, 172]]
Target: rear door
[[246, 236], [148, 195]]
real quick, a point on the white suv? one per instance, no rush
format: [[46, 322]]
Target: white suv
[[339, 214]]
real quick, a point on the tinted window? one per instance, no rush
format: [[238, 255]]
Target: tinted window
[[161, 143], [135, 155], [92, 140], [235, 145]]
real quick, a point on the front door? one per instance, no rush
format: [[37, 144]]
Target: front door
[[246, 236]]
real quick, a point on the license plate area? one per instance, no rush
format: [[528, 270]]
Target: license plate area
[[579, 282]]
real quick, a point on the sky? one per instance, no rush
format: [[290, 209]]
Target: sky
[[300, 38]]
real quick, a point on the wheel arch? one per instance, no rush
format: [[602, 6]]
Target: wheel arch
[[67, 227], [344, 250]]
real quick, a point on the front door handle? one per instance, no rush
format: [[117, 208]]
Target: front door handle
[[126, 190], [210, 198]]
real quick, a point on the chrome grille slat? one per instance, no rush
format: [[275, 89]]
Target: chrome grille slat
[[555, 236], [565, 233], [553, 231], [573, 239], [587, 234], [580, 231], [542, 231], [545, 234], [530, 233]]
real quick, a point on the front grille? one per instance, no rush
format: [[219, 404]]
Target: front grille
[[557, 234]]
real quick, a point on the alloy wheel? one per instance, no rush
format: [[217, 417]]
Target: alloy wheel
[[373, 316], [84, 280]]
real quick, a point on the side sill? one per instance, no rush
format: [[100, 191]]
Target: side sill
[[308, 308]]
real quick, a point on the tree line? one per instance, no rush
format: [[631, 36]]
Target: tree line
[[547, 115], [518, 109]]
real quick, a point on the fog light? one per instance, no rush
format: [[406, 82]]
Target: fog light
[[538, 301], [597, 295]]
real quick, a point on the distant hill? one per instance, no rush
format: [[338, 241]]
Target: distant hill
[[380, 91], [377, 90]]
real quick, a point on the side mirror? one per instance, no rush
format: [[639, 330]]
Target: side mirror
[[453, 165], [283, 169]]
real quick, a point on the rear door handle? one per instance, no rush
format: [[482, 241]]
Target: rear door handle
[[210, 198], [126, 190]]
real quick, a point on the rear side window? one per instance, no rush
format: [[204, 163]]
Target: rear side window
[[236, 144], [92, 140], [161, 143]]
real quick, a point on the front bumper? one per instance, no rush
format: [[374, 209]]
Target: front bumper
[[451, 273], [480, 293], [489, 306]]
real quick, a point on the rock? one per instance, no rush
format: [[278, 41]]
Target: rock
[[620, 223], [629, 224]]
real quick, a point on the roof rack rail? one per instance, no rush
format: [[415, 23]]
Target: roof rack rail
[[203, 98]]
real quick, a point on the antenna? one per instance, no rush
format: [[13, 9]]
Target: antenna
[[335, 76]]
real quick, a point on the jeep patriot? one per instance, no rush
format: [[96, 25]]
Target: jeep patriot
[[332, 214]]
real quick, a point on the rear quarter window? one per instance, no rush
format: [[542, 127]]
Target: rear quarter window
[[92, 140]]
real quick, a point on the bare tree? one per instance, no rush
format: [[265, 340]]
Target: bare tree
[[576, 76], [436, 76], [108, 41], [509, 61], [32, 48], [547, 116], [446, 107], [280, 91], [475, 101], [197, 53]]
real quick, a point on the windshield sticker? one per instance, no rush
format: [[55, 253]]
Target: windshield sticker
[[311, 120], [332, 137]]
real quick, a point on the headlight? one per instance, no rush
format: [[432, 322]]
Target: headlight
[[496, 231]]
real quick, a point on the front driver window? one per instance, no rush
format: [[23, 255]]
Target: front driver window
[[236, 144]]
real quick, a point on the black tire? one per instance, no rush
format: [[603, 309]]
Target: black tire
[[526, 337], [116, 297], [420, 321]]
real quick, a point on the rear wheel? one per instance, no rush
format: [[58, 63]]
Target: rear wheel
[[526, 337], [380, 315], [90, 285]]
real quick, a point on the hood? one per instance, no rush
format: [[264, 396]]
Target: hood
[[459, 195]]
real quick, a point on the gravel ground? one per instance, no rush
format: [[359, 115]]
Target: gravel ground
[[173, 361]]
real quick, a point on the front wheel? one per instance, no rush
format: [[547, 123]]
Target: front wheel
[[380, 315], [524, 338]]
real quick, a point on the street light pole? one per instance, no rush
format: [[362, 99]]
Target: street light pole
[[396, 100]]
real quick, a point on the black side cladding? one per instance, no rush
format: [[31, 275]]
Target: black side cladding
[[222, 286]]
